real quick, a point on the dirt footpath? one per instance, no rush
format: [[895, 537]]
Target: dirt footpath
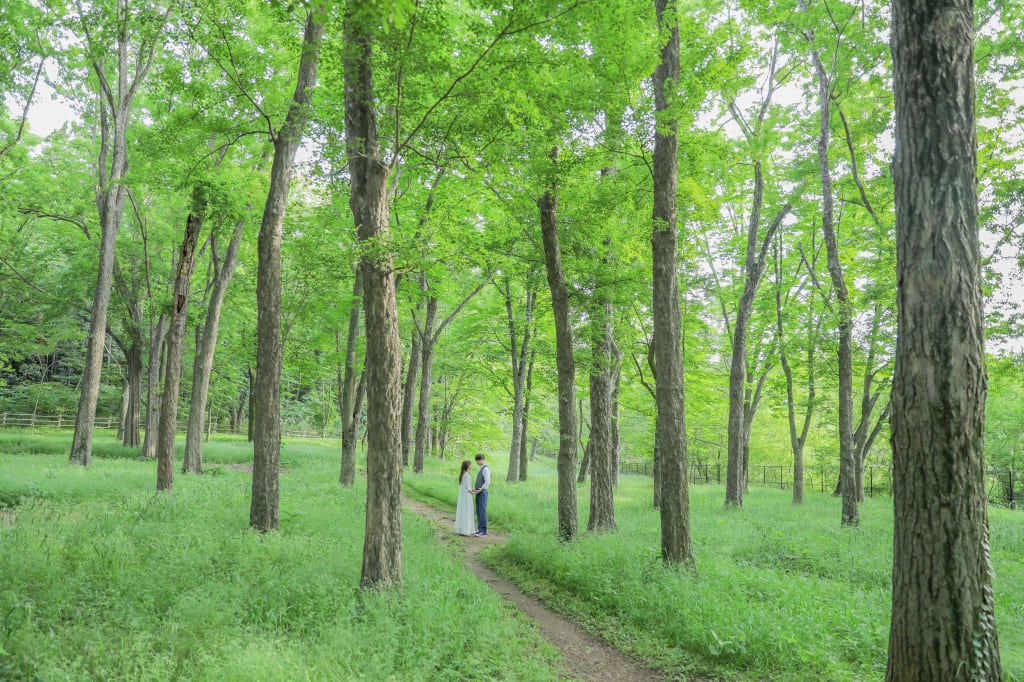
[[586, 656]]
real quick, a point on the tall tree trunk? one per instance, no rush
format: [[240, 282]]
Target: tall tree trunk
[[263, 510], [568, 522], [409, 389], [740, 399], [175, 344], [382, 548], [115, 101], [428, 338], [602, 496], [133, 382], [847, 464], [350, 394], [205, 349], [670, 429], [157, 336], [251, 425], [943, 622], [131, 345], [796, 440], [524, 461], [519, 370]]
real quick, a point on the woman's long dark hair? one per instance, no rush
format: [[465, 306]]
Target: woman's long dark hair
[[465, 467]]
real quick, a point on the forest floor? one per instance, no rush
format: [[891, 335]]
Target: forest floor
[[586, 657]]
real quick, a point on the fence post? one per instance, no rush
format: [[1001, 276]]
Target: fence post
[[871, 482], [1012, 500]]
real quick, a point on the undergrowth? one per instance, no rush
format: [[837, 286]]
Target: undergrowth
[[779, 592], [104, 579]]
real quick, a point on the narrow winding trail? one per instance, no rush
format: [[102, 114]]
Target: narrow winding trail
[[586, 657]]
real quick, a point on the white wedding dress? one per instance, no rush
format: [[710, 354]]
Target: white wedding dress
[[464, 509]]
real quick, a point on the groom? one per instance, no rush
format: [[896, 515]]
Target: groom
[[483, 482]]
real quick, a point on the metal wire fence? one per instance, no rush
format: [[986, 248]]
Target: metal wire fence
[[1005, 487]]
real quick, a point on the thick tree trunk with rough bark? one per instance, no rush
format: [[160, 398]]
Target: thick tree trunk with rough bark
[[264, 510], [206, 346], [602, 497], [157, 336], [349, 399], [943, 623], [568, 521], [382, 546], [670, 428], [175, 345]]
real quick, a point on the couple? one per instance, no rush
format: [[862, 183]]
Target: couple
[[464, 509]]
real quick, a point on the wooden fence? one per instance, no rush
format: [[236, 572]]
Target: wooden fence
[[11, 420]]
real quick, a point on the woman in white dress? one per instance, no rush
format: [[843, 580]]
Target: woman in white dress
[[464, 508]]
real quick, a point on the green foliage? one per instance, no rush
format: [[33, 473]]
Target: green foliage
[[106, 580], [780, 592]]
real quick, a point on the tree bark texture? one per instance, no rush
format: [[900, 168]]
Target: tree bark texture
[[349, 398], [382, 546], [205, 348], [157, 336], [263, 510], [670, 427], [175, 345], [602, 497], [568, 522], [943, 623]]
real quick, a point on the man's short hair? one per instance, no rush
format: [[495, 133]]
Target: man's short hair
[[479, 458]]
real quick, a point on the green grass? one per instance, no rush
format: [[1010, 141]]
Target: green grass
[[780, 593], [103, 579]]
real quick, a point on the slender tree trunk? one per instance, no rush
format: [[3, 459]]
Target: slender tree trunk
[[568, 522], [602, 496], [796, 440], [847, 465], [263, 510], [116, 102], [676, 544], [524, 461], [175, 345], [519, 370], [409, 391], [943, 622], [205, 349], [350, 400], [382, 547], [426, 380], [156, 352], [616, 436], [251, 425]]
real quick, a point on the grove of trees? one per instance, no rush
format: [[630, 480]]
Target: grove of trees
[[755, 221]]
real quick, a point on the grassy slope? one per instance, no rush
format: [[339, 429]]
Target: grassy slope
[[103, 579], [780, 593]]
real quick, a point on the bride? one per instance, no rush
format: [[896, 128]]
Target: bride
[[464, 508]]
